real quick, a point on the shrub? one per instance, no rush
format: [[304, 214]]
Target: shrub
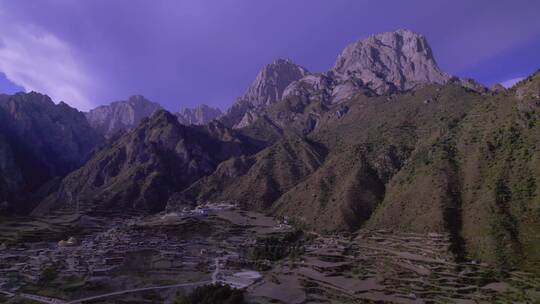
[[276, 248], [47, 275], [213, 294]]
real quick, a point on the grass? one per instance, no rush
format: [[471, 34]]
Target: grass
[[275, 248], [212, 294]]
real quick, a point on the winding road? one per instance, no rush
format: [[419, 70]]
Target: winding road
[[48, 300], [137, 290]]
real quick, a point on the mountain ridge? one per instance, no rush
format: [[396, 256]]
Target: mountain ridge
[[381, 64], [200, 115], [143, 167], [384, 140], [41, 141]]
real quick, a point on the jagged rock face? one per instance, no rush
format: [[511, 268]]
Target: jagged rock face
[[528, 89], [236, 113], [470, 84], [498, 88], [34, 120], [271, 81], [324, 88], [249, 118], [41, 140], [381, 64], [200, 115], [266, 89], [11, 179], [312, 87], [389, 62], [143, 167], [121, 115]]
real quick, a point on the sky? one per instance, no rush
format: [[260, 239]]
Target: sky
[[182, 53]]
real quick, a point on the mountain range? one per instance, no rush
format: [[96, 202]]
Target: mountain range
[[124, 115], [383, 140]]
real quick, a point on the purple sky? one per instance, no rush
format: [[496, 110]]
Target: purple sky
[[186, 52]]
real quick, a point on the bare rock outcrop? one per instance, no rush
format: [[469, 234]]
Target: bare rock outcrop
[[266, 89], [389, 62], [386, 63], [498, 88], [200, 115], [121, 115]]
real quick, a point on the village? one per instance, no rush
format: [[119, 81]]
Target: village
[[190, 246], [151, 259]]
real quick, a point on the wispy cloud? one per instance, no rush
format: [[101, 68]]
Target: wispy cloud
[[511, 82], [39, 61]]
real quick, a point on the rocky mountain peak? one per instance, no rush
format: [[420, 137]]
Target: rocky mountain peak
[[391, 61], [121, 115], [268, 86], [498, 88], [529, 88], [380, 64], [266, 89], [199, 115]]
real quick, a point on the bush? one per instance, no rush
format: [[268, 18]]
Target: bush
[[47, 275], [276, 248], [213, 294]]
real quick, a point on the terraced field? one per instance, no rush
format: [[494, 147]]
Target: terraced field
[[116, 259], [55, 226], [17, 229], [381, 266]]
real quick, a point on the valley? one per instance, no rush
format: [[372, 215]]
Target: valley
[[381, 180], [149, 258]]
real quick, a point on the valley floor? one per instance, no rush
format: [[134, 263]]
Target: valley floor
[[153, 259]]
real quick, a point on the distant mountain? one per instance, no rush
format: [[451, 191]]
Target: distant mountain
[[256, 181], [268, 86], [11, 176], [386, 63], [477, 179], [389, 62], [121, 115], [39, 140], [446, 158], [384, 140], [200, 115], [266, 89], [355, 150], [143, 167]]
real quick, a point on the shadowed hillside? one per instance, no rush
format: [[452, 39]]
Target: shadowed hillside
[[257, 181], [384, 140], [478, 179], [40, 141], [368, 145], [142, 168]]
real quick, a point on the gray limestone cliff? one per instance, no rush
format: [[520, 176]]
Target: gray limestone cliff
[[200, 115], [265, 90], [121, 115], [388, 62]]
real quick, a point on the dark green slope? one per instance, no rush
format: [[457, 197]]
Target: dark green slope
[[368, 145], [478, 180], [40, 141], [142, 168], [257, 181]]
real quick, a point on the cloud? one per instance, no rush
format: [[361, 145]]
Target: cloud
[[39, 61], [511, 82]]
